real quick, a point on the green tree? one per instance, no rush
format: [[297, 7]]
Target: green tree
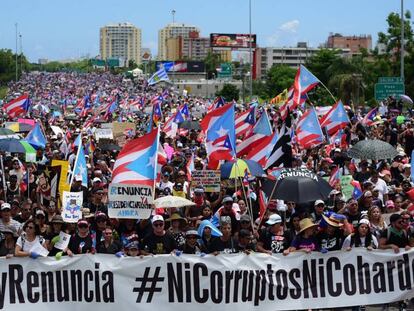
[[321, 61], [229, 92], [278, 78], [212, 61]]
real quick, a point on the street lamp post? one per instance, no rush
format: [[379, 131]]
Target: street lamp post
[[402, 41], [16, 52], [250, 51]]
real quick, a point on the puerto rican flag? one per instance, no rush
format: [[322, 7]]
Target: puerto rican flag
[[368, 120], [290, 104], [138, 160], [335, 119], [335, 177], [245, 121], [17, 107], [304, 82], [217, 103], [261, 150], [162, 160], [308, 131]]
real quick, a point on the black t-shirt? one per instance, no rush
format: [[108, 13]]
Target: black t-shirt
[[272, 242], [353, 219], [80, 245], [159, 244], [227, 247], [113, 248], [330, 242], [392, 238]]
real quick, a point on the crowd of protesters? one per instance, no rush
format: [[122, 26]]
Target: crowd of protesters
[[219, 223]]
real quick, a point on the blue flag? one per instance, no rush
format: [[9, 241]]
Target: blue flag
[[80, 168], [36, 137]]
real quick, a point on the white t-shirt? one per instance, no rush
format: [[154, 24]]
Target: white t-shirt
[[382, 187], [27, 244]]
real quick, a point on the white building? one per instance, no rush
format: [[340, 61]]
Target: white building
[[172, 30]]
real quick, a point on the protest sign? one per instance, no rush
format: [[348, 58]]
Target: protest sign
[[39, 249], [103, 133], [228, 281], [130, 201], [71, 206], [106, 126], [346, 187], [63, 242], [118, 128], [208, 179]]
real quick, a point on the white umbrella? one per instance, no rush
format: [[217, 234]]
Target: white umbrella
[[172, 201]]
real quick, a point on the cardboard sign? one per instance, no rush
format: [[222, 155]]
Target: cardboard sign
[[130, 201], [103, 133], [71, 206], [346, 188], [118, 128], [208, 179]]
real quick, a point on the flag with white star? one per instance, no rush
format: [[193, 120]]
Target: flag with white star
[[80, 168]]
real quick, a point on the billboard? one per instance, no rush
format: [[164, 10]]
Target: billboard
[[181, 66], [230, 40]]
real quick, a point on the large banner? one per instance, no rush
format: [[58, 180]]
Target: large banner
[[190, 282], [130, 201]]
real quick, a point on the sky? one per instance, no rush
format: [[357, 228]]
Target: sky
[[57, 30]]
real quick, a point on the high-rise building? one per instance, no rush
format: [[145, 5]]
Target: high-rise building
[[122, 40], [173, 30], [353, 43]]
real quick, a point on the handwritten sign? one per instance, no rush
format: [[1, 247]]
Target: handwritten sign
[[208, 179], [103, 133], [130, 201], [71, 206]]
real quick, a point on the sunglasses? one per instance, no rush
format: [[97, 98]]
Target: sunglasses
[[158, 224]]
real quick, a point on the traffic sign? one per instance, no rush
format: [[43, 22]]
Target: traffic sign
[[390, 80], [384, 90]]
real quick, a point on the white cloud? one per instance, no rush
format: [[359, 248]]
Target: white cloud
[[285, 34]]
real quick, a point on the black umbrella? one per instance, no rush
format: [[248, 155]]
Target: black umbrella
[[297, 185], [191, 125], [110, 147], [372, 149]]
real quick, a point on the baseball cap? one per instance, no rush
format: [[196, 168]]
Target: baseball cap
[[406, 166], [227, 199], [274, 219], [5, 206], [132, 245], [40, 212], [78, 177], [100, 215], [157, 218], [96, 179], [317, 202], [179, 145]]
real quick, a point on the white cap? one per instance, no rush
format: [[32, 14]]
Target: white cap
[[317, 202], [407, 165], [40, 212], [274, 219], [96, 179], [157, 218], [5, 206], [78, 177]]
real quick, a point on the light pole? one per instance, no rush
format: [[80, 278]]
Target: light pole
[[402, 41], [250, 50], [173, 15], [16, 51], [21, 54]]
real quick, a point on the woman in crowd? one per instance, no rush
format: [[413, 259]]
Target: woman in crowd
[[30, 242], [306, 240], [225, 244], [377, 222], [362, 237], [177, 225]]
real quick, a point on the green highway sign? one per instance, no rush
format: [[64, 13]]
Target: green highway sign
[[390, 80], [384, 90]]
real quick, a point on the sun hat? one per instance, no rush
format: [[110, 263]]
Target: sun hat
[[306, 223]]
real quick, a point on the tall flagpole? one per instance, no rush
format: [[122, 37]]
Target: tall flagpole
[[3, 179]]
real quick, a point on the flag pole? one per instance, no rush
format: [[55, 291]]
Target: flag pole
[[76, 161], [326, 88], [3, 179], [156, 163]]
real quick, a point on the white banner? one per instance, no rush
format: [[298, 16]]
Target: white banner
[[103, 133], [71, 206], [130, 201], [190, 282]]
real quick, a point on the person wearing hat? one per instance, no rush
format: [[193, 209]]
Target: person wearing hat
[[318, 209], [40, 218], [13, 188], [380, 184], [78, 187], [165, 182], [25, 212], [395, 236], [362, 237], [363, 174], [195, 213], [177, 225], [159, 241], [227, 210], [98, 227], [306, 240], [191, 245], [131, 249], [7, 222], [331, 235], [82, 241], [245, 223], [272, 239], [52, 236], [7, 243], [96, 204]]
